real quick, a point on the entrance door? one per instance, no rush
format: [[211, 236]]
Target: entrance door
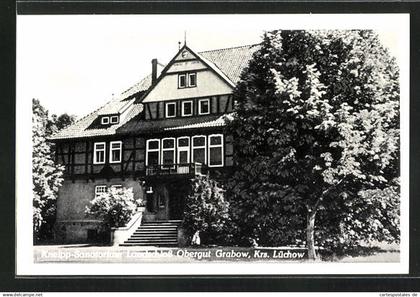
[[157, 207], [178, 192]]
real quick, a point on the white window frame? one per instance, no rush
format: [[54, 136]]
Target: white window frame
[[183, 110], [105, 120], [114, 117], [96, 150], [189, 80], [199, 106], [166, 109], [179, 81], [183, 149], [199, 147], [115, 149], [216, 146], [97, 193], [168, 149], [152, 150]]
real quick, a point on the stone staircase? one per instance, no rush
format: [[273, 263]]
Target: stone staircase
[[156, 233]]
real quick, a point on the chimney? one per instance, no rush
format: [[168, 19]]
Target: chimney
[[154, 70]]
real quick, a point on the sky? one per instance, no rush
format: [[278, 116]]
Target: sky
[[75, 63]]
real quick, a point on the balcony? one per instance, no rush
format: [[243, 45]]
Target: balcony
[[175, 169]]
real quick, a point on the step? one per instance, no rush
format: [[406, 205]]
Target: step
[[151, 242], [154, 231], [153, 237], [148, 244], [163, 221], [155, 234], [158, 227]]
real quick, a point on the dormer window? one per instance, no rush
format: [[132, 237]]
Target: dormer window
[[105, 120], [187, 80], [170, 110], [187, 108], [114, 119], [192, 80], [182, 81], [204, 106]]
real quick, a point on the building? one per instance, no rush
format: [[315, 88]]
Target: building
[[152, 138]]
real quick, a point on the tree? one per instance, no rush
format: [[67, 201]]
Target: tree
[[115, 207], [206, 211], [316, 130], [47, 176], [57, 123]]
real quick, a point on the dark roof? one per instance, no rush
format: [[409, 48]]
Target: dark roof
[[230, 61], [149, 126], [141, 86], [87, 127]]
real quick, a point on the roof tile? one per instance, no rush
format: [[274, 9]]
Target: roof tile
[[230, 61]]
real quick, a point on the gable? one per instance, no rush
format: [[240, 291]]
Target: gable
[[209, 82], [184, 54]]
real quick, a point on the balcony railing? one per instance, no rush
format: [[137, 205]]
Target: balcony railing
[[175, 169]]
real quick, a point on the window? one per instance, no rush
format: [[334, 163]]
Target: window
[[187, 108], [114, 120], [204, 106], [170, 110], [183, 150], [105, 120], [199, 149], [182, 81], [192, 79], [152, 152], [168, 152], [100, 189], [115, 152], [187, 80], [99, 153], [216, 150]]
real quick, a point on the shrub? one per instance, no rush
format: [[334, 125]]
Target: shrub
[[206, 211], [115, 207]]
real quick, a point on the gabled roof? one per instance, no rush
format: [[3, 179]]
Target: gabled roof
[[176, 59], [117, 107], [228, 63], [231, 61], [89, 126]]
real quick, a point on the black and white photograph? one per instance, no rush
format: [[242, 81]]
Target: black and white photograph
[[212, 144]]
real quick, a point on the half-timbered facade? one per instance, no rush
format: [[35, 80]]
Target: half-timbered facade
[[152, 138]]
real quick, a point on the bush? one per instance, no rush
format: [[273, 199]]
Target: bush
[[206, 211], [115, 208]]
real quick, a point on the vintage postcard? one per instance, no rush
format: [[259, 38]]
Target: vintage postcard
[[212, 144]]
